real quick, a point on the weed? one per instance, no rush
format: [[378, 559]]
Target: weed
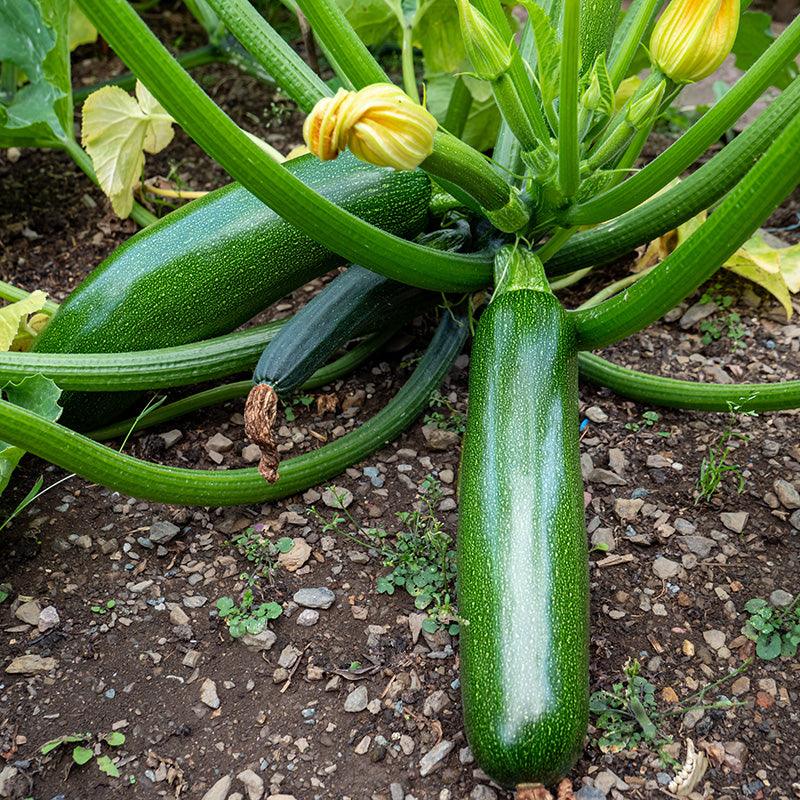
[[776, 632], [730, 325], [247, 617], [452, 420], [104, 608], [261, 552], [628, 715], [88, 747], [5, 592], [649, 419], [419, 556], [304, 400]]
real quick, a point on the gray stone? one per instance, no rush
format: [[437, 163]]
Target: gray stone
[[714, 638], [626, 509], [208, 694], [433, 759], [260, 641], [11, 783], [318, 597], [288, 657], [697, 313], [219, 791], [308, 617], [162, 531], [337, 497], [692, 717], [439, 439], [253, 784], [195, 601], [734, 520], [701, 546], [29, 612], [604, 536], [171, 438], [30, 665], [781, 598], [483, 792], [684, 527], [219, 443], [606, 780], [396, 791], [794, 520], [357, 700], [596, 414], [606, 477], [435, 703], [666, 568], [589, 793], [787, 494], [48, 619]]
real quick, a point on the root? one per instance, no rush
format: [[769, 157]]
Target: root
[[260, 412]]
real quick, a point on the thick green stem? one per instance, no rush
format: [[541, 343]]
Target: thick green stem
[[629, 36], [568, 143], [669, 164], [694, 194], [458, 108], [137, 478], [409, 73], [516, 267], [339, 230], [256, 35], [675, 393], [746, 207]]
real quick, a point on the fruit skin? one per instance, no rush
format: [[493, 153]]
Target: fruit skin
[[523, 590], [598, 23], [212, 265]]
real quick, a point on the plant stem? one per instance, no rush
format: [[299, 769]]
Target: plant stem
[[409, 73], [612, 289], [558, 238], [669, 164], [629, 37], [568, 143], [458, 108], [139, 214], [300, 205], [694, 194], [569, 280], [747, 206]]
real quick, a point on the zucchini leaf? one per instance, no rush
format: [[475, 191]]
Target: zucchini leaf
[[754, 37], [16, 329], [37, 394], [117, 131], [81, 31], [34, 51]]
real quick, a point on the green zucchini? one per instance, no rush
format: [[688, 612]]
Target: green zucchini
[[523, 591], [597, 26], [212, 265]]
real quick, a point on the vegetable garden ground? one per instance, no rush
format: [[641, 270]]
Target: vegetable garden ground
[[143, 666]]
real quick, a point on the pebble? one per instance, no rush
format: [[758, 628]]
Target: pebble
[[483, 792], [701, 546], [336, 497], [396, 791], [781, 598], [734, 520], [741, 685], [439, 439], [684, 527], [48, 619], [253, 784], [596, 414], [794, 520], [606, 780], [219, 443], [195, 601], [30, 664], [363, 746], [177, 616], [606, 477], [219, 791], [604, 537], [787, 494], [696, 313], [308, 617], [319, 597], [251, 453], [357, 700], [209, 697], [666, 568], [714, 639], [162, 531], [626, 509], [29, 612], [434, 757], [171, 438], [589, 793], [260, 641], [406, 744], [288, 657]]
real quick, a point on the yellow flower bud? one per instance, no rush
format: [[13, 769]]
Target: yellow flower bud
[[694, 37], [380, 124], [489, 54]]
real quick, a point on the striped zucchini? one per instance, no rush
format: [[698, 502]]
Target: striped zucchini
[[522, 557]]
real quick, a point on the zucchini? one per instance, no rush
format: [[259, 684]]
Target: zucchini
[[523, 591], [356, 302], [597, 26], [215, 263]]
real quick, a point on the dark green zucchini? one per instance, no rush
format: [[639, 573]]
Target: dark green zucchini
[[523, 588], [212, 265], [597, 26]]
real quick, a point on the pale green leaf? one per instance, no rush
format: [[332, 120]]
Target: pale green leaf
[[81, 755], [548, 49], [753, 38], [107, 766], [117, 129], [790, 267], [483, 121], [437, 33], [14, 318], [81, 31], [375, 21], [757, 261], [115, 739]]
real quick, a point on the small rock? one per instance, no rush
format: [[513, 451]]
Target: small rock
[[794, 520], [295, 558], [319, 597], [363, 746], [606, 780], [253, 784], [171, 438], [666, 568], [603, 538], [406, 744], [357, 700], [30, 665], [787, 494], [483, 792], [177, 616], [714, 639], [696, 313], [701, 546], [589, 793], [209, 697], [219, 791], [781, 598], [336, 497], [29, 612], [435, 703], [308, 617], [251, 454], [48, 619], [684, 527], [741, 685], [192, 658], [692, 717], [434, 757], [9, 782], [396, 791], [195, 601], [260, 641], [596, 414], [734, 520], [626, 509], [162, 531], [439, 439], [606, 477], [288, 657], [219, 443]]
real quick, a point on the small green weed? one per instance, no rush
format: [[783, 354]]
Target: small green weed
[[628, 715], [649, 419], [776, 632], [261, 552], [247, 617], [729, 325], [419, 556], [104, 608], [5, 592], [304, 400], [88, 747], [446, 417]]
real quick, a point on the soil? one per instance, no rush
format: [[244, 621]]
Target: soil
[[141, 664]]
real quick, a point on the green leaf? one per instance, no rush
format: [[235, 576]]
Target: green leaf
[[254, 625], [375, 21], [81, 31], [437, 33], [273, 610], [754, 605], [754, 37], [34, 37], [5, 592], [483, 121], [108, 766], [284, 544], [549, 51], [115, 739], [430, 625], [225, 605], [769, 648], [384, 586], [81, 755]]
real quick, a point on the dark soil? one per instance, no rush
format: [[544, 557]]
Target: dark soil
[[139, 667]]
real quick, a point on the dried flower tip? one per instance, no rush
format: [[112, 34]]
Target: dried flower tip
[[379, 123], [693, 37]]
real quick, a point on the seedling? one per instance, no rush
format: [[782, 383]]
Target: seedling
[[89, 746], [247, 617], [776, 632], [109, 605], [304, 400], [419, 556], [649, 419], [447, 417]]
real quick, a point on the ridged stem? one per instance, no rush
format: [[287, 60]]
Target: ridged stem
[[694, 194], [568, 143], [693, 395], [669, 164], [458, 108], [339, 230], [137, 478], [629, 36], [746, 207]]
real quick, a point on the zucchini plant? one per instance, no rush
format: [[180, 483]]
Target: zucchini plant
[[558, 196]]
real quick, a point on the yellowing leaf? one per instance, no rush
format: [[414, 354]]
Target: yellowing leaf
[[81, 31], [790, 267], [14, 318], [117, 130]]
